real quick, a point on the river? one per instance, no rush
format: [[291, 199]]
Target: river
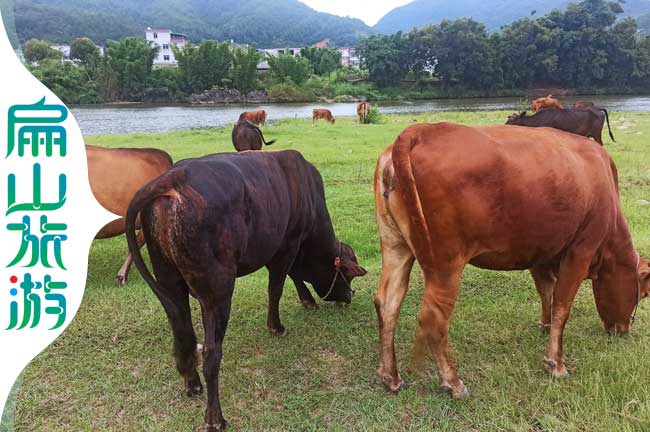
[[101, 120]]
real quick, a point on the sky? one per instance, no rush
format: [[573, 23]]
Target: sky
[[369, 11]]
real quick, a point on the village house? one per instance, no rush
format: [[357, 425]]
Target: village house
[[164, 39]]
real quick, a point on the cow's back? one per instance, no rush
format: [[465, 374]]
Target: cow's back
[[505, 195], [116, 175]]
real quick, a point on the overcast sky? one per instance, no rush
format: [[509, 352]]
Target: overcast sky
[[370, 11]]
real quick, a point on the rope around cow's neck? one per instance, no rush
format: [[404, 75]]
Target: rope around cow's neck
[[337, 266], [638, 288]]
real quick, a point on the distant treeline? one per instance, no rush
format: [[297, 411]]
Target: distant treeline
[[584, 47]]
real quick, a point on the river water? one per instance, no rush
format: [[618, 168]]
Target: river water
[[100, 120]]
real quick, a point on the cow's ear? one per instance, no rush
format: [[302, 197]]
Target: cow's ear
[[352, 269]]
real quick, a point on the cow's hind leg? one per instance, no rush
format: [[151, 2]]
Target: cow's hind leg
[[123, 274], [215, 296], [397, 262], [440, 295], [544, 283], [175, 300]]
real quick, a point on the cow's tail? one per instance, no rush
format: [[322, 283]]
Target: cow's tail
[[159, 187], [259, 131], [609, 128], [421, 238]]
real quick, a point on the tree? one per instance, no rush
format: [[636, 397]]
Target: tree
[[287, 67], [205, 65], [85, 50], [385, 57], [67, 81], [130, 62], [323, 60], [244, 68], [36, 51]]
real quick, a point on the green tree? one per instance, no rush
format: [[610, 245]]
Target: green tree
[[385, 57], [244, 68], [287, 67], [36, 50], [323, 60], [85, 50], [205, 65], [129, 63], [69, 82]]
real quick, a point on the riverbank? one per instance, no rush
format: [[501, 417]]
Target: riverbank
[[113, 369]]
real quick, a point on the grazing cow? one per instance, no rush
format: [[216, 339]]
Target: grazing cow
[[363, 109], [247, 136], [213, 219], [324, 114], [583, 104], [587, 122], [257, 117], [545, 103], [500, 198], [115, 176]]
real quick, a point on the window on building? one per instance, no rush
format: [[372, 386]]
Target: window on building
[[155, 35], [292, 52], [166, 58], [280, 51], [165, 46]]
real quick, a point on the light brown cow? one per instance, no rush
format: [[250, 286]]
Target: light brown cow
[[363, 109], [546, 103], [324, 114], [500, 198], [115, 176], [257, 117], [584, 104]]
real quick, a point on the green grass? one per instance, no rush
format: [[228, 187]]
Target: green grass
[[112, 370]]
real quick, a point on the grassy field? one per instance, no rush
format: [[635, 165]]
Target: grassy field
[[112, 370]]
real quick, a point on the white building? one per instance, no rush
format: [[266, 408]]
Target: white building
[[349, 57], [164, 39], [63, 49], [278, 51]]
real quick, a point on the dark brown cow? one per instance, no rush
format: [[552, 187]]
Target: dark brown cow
[[210, 220], [587, 122], [363, 109], [247, 136], [257, 117], [500, 198], [583, 104], [115, 176], [324, 114], [546, 103]]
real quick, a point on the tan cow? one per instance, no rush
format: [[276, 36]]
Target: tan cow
[[546, 103], [363, 109], [500, 198], [115, 176], [322, 114], [257, 117]]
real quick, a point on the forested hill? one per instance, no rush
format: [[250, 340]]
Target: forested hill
[[492, 13], [267, 23]]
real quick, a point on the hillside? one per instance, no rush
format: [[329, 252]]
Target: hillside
[[266, 23], [493, 13]]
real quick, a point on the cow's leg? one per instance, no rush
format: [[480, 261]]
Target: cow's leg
[[123, 274], [599, 138], [440, 295], [545, 283], [306, 299], [215, 309], [573, 270], [397, 262], [278, 269]]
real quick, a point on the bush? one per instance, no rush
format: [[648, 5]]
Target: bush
[[290, 92], [373, 116]]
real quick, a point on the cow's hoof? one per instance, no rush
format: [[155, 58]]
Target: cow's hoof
[[121, 280], [556, 370], [393, 384], [215, 427], [279, 331], [199, 348], [194, 389], [457, 392], [310, 305], [544, 328]]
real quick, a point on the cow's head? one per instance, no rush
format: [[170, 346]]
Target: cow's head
[[331, 276], [618, 292], [515, 119]]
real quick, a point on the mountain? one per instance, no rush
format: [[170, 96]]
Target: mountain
[[266, 23], [492, 13]]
